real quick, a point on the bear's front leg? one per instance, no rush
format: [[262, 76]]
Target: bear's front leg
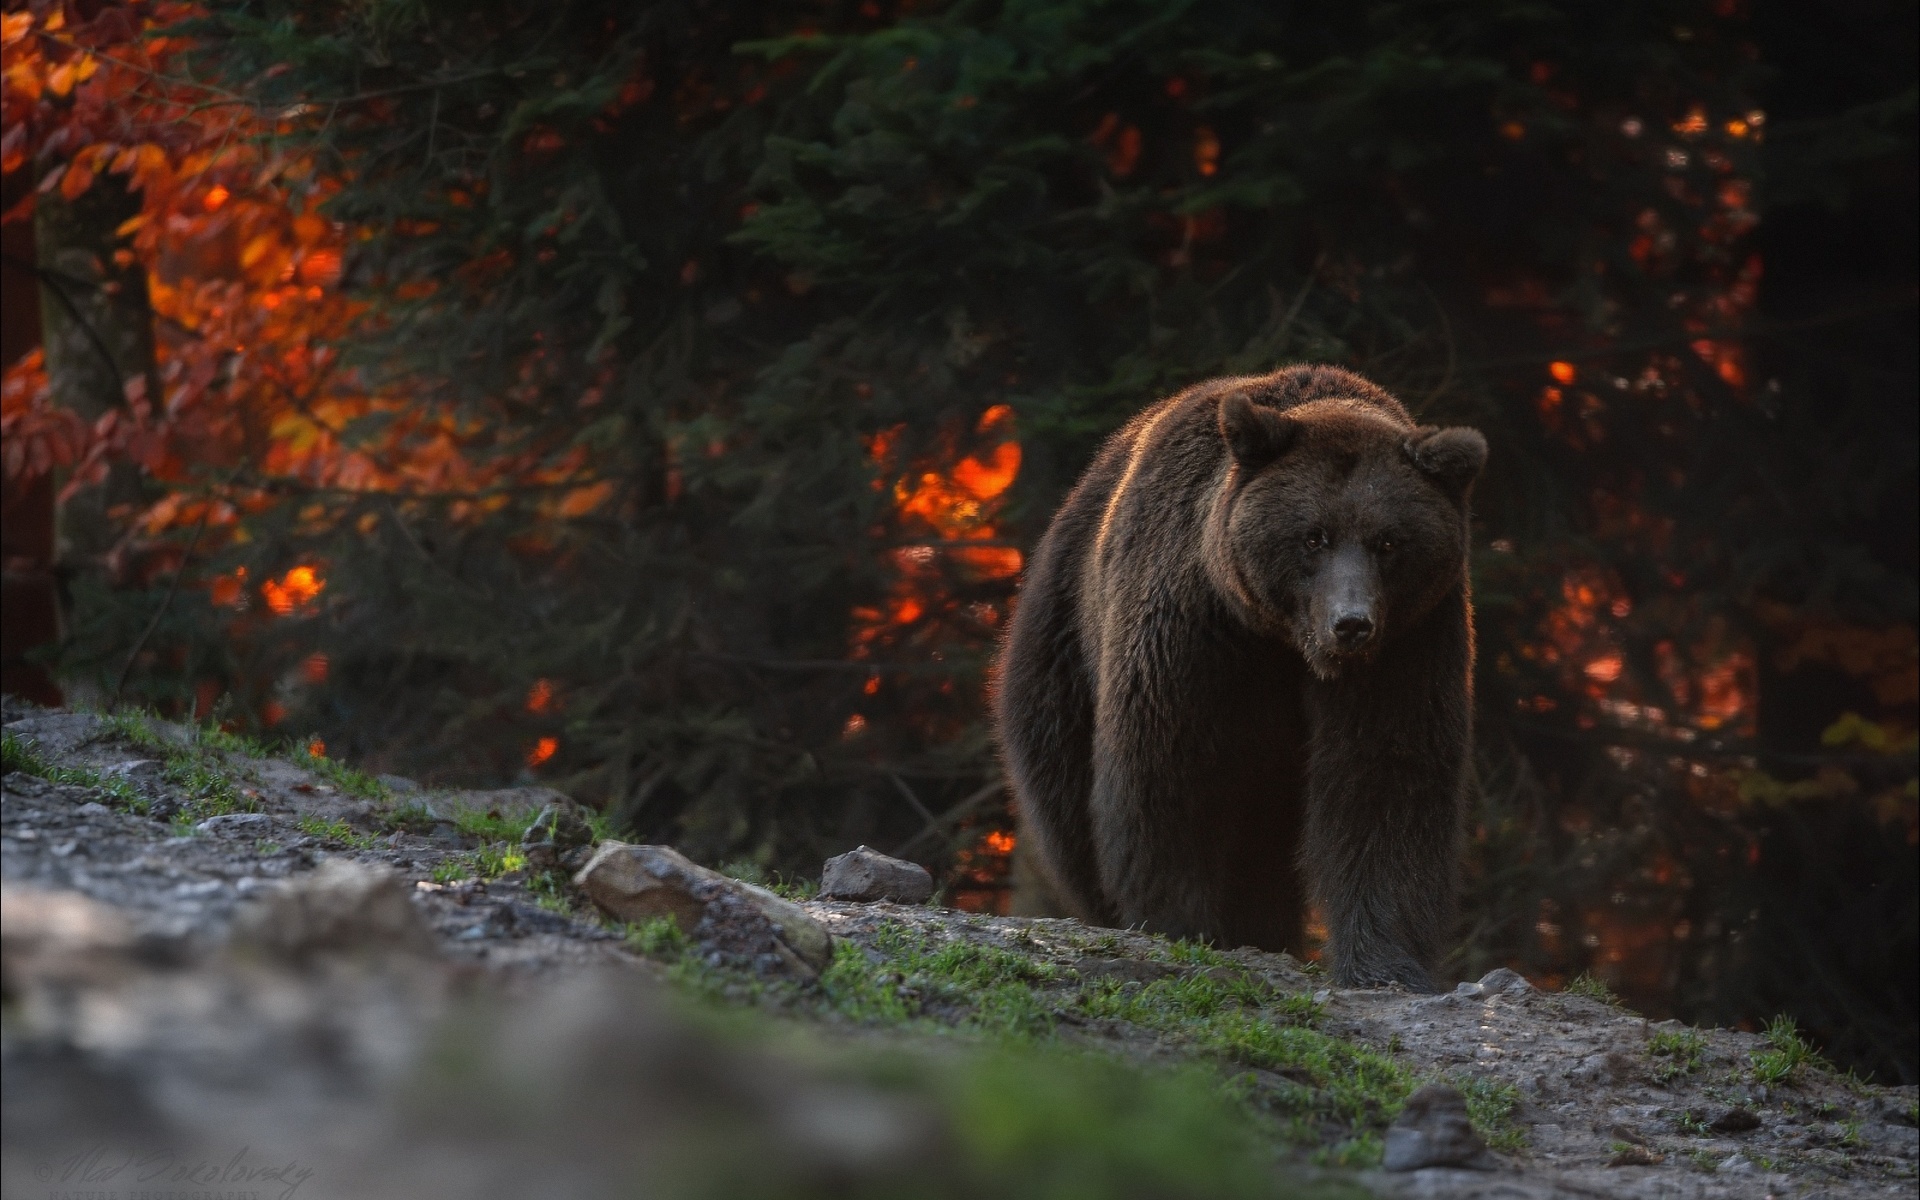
[[1390, 743], [1155, 867]]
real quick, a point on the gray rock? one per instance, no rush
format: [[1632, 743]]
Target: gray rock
[[141, 772], [1504, 981], [866, 874], [1735, 1120], [734, 921], [56, 733], [1433, 1131], [238, 825], [398, 783]]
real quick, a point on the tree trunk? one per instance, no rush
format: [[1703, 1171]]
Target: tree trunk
[[97, 332]]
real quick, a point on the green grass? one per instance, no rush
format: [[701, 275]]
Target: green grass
[[490, 826], [1589, 985], [1187, 953], [339, 832], [1240, 1021], [1683, 1050], [1787, 1052], [19, 754], [22, 755], [957, 981], [487, 863], [747, 871], [1227, 1017], [135, 726], [206, 789], [1491, 1105], [350, 780], [411, 817], [657, 937]]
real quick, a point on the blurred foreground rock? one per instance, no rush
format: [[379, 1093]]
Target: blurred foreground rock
[[296, 1077], [866, 874], [729, 920], [1433, 1130], [342, 907]]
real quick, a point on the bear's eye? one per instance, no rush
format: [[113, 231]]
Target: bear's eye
[[1385, 545], [1317, 540]]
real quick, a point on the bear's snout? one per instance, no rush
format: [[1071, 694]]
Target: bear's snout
[[1352, 629], [1349, 601]]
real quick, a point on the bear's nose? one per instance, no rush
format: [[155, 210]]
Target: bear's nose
[[1353, 630]]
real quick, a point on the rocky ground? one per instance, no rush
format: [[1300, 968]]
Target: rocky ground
[[229, 972]]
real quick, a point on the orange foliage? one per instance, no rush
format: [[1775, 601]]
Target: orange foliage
[[543, 750], [952, 505], [244, 273], [293, 592]]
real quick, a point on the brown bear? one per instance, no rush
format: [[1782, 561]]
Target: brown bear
[[1239, 675]]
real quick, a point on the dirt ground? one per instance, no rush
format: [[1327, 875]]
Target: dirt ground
[[170, 984]]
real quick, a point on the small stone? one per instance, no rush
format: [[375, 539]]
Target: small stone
[[143, 773], [1609, 1066], [866, 874], [1636, 1156], [1737, 1164], [1735, 1120], [238, 824], [93, 808], [1504, 981], [1433, 1130], [727, 918], [558, 831], [398, 783]]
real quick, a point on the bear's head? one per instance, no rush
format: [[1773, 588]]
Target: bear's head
[[1340, 526]]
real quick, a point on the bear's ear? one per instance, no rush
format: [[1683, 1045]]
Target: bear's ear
[[1254, 433], [1452, 457]]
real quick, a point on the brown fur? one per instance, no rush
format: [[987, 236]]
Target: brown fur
[[1201, 732]]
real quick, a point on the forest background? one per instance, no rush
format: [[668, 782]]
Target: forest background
[[656, 402]]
